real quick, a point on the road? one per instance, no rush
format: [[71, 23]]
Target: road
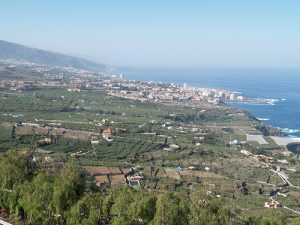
[[294, 211], [2, 222], [282, 176], [285, 179]]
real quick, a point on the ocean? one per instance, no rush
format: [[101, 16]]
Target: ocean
[[282, 85]]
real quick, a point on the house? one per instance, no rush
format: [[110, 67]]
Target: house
[[264, 158], [94, 142], [283, 161], [73, 89], [234, 142], [107, 133], [286, 153], [135, 177], [49, 159], [273, 204], [245, 152], [191, 167], [120, 130], [172, 147], [45, 141]]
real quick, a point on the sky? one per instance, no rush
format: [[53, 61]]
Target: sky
[[233, 33]]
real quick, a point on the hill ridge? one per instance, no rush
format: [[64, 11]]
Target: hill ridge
[[13, 51]]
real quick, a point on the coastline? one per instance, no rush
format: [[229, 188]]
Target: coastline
[[167, 92], [255, 83], [281, 140]]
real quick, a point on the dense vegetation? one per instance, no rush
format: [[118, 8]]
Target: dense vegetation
[[36, 194]]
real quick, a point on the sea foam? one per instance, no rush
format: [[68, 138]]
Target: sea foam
[[288, 130], [263, 119]]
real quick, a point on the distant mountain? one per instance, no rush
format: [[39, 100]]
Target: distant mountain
[[14, 51]]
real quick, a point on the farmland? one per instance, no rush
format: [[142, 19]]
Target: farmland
[[161, 146]]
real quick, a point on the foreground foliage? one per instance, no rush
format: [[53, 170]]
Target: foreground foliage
[[35, 196]]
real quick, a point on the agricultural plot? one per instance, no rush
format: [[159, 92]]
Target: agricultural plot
[[5, 133], [97, 170], [258, 138], [117, 179], [200, 174], [109, 175], [101, 179], [172, 174]]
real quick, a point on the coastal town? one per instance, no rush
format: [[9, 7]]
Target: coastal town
[[79, 80]]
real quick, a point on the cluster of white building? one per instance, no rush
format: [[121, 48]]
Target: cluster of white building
[[157, 91]]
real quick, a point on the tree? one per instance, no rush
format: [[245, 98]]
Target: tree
[[170, 210], [132, 206], [88, 210], [36, 199], [14, 168], [208, 210], [68, 188], [143, 208], [244, 188]]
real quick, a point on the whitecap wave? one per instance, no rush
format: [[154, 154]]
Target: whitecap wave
[[268, 101], [293, 136], [260, 101], [263, 119], [283, 99], [288, 130]]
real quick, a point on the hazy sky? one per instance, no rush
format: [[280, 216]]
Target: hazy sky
[[160, 32]]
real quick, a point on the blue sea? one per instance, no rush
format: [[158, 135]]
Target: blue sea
[[282, 85]]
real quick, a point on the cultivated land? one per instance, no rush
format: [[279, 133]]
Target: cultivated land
[[85, 119]]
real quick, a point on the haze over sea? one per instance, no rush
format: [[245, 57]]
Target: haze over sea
[[282, 85]]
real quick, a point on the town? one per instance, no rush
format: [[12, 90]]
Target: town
[[76, 80]]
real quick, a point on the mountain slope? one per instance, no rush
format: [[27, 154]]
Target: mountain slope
[[14, 51]]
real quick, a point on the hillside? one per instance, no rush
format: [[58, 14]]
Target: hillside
[[12, 51]]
